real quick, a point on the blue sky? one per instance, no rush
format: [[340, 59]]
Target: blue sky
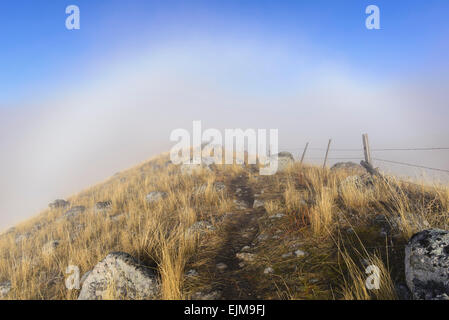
[[39, 55], [78, 106]]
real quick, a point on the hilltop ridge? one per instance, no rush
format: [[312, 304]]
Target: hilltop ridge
[[225, 232]]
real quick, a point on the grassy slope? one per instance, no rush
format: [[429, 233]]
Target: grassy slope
[[333, 226]]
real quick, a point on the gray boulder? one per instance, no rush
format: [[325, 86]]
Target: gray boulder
[[200, 227], [74, 212], [206, 163], [119, 274], [103, 206], [58, 203], [84, 277], [349, 166], [285, 159], [427, 264], [5, 288], [190, 169], [155, 196]]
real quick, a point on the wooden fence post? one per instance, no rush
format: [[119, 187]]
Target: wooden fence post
[[327, 152], [366, 149], [304, 152]]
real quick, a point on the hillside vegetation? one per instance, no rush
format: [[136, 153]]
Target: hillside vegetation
[[225, 232]]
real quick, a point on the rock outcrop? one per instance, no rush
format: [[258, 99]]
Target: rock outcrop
[[206, 164], [285, 159], [59, 203], [74, 212], [427, 265], [349, 166], [119, 276], [5, 288], [103, 206], [200, 228]]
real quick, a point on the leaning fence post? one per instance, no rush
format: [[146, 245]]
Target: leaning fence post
[[367, 164], [327, 152], [304, 152], [366, 149]]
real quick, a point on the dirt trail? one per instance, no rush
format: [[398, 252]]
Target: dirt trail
[[240, 231]]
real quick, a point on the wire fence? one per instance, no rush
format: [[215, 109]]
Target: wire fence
[[361, 150]]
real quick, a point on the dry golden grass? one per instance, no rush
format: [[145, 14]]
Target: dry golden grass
[[321, 214], [292, 197], [371, 281], [156, 233], [273, 207], [152, 233], [355, 198]]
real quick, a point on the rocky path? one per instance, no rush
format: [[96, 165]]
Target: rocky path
[[240, 232]]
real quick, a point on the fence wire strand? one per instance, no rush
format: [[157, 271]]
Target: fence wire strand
[[412, 165], [377, 159]]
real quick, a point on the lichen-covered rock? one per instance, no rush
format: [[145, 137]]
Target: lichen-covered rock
[[349, 166], [74, 212], [58, 203], [155, 196], [427, 264], [5, 288], [402, 292], [119, 276], [190, 169], [200, 227], [103, 206], [285, 159], [84, 277]]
